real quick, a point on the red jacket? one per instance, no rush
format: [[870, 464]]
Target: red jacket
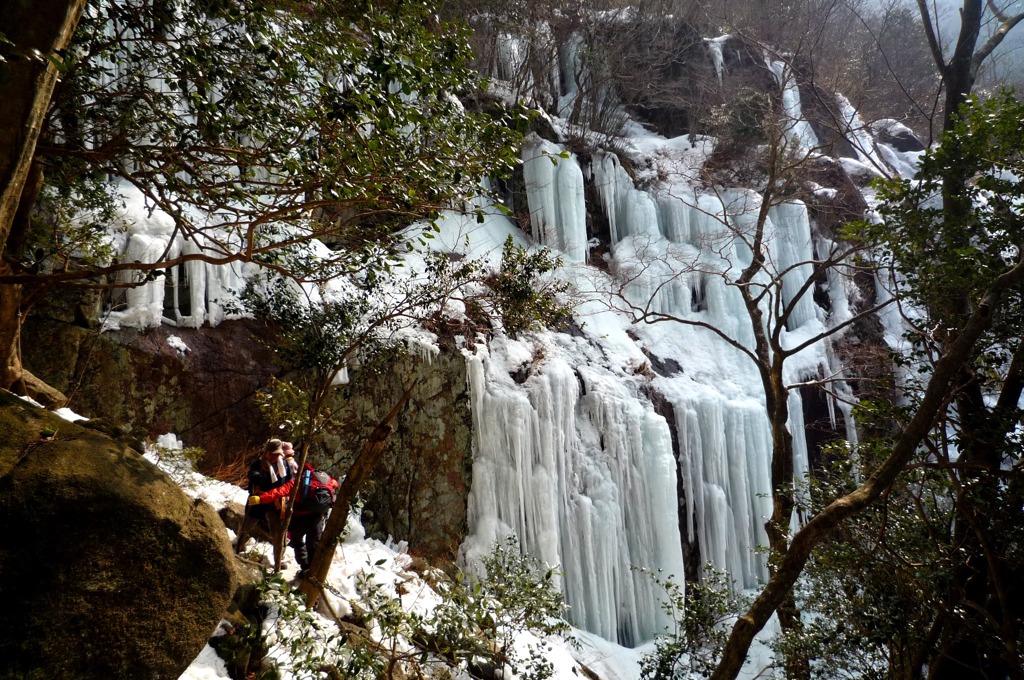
[[282, 491], [285, 490]]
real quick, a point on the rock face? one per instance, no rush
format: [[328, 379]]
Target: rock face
[[107, 569], [418, 490], [144, 382]]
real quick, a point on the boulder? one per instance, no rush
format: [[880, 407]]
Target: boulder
[[897, 135], [107, 569]]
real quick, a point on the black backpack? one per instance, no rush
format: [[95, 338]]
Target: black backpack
[[316, 491]]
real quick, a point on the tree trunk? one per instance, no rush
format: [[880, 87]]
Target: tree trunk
[[372, 451], [769, 360], [40, 29], [976, 585], [984, 579], [797, 665], [780, 584], [10, 335]]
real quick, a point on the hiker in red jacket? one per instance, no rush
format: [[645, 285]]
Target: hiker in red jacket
[[306, 527]]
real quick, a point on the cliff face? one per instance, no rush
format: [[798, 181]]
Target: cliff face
[[147, 385], [621, 444], [418, 491]]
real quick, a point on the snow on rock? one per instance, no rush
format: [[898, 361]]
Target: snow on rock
[[177, 344]]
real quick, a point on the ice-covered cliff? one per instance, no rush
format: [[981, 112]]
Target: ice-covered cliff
[[626, 446]]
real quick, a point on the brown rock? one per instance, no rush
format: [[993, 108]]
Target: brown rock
[[138, 380], [107, 569]]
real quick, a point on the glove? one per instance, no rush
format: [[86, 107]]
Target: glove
[[254, 500]]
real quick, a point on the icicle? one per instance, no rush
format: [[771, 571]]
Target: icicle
[[554, 193], [858, 134], [340, 377], [717, 58], [797, 130], [571, 71]]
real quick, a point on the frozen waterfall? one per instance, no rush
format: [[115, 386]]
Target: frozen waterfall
[[582, 471], [576, 459]]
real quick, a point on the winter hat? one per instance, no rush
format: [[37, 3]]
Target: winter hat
[[277, 468]]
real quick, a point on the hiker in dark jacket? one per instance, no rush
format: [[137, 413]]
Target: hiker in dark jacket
[[267, 474]]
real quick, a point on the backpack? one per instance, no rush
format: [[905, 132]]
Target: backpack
[[316, 491]]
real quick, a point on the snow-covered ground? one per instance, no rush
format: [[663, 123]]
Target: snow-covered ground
[[387, 563]]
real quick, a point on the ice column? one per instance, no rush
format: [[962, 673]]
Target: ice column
[[150, 236], [790, 241], [554, 193], [717, 57], [797, 130], [687, 269], [630, 212], [725, 455], [583, 472]]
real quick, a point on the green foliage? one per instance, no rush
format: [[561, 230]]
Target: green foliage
[[926, 573], [295, 639], [315, 338], [701, 613], [279, 121], [356, 323], [522, 302], [950, 234], [957, 226], [313, 334], [286, 404], [478, 618], [472, 625], [872, 587]]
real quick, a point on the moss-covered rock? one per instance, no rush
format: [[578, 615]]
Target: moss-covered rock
[[107, 569]]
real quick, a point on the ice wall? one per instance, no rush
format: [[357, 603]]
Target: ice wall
[[581, 470], [575, 460], [191, 295], [689, 249]]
